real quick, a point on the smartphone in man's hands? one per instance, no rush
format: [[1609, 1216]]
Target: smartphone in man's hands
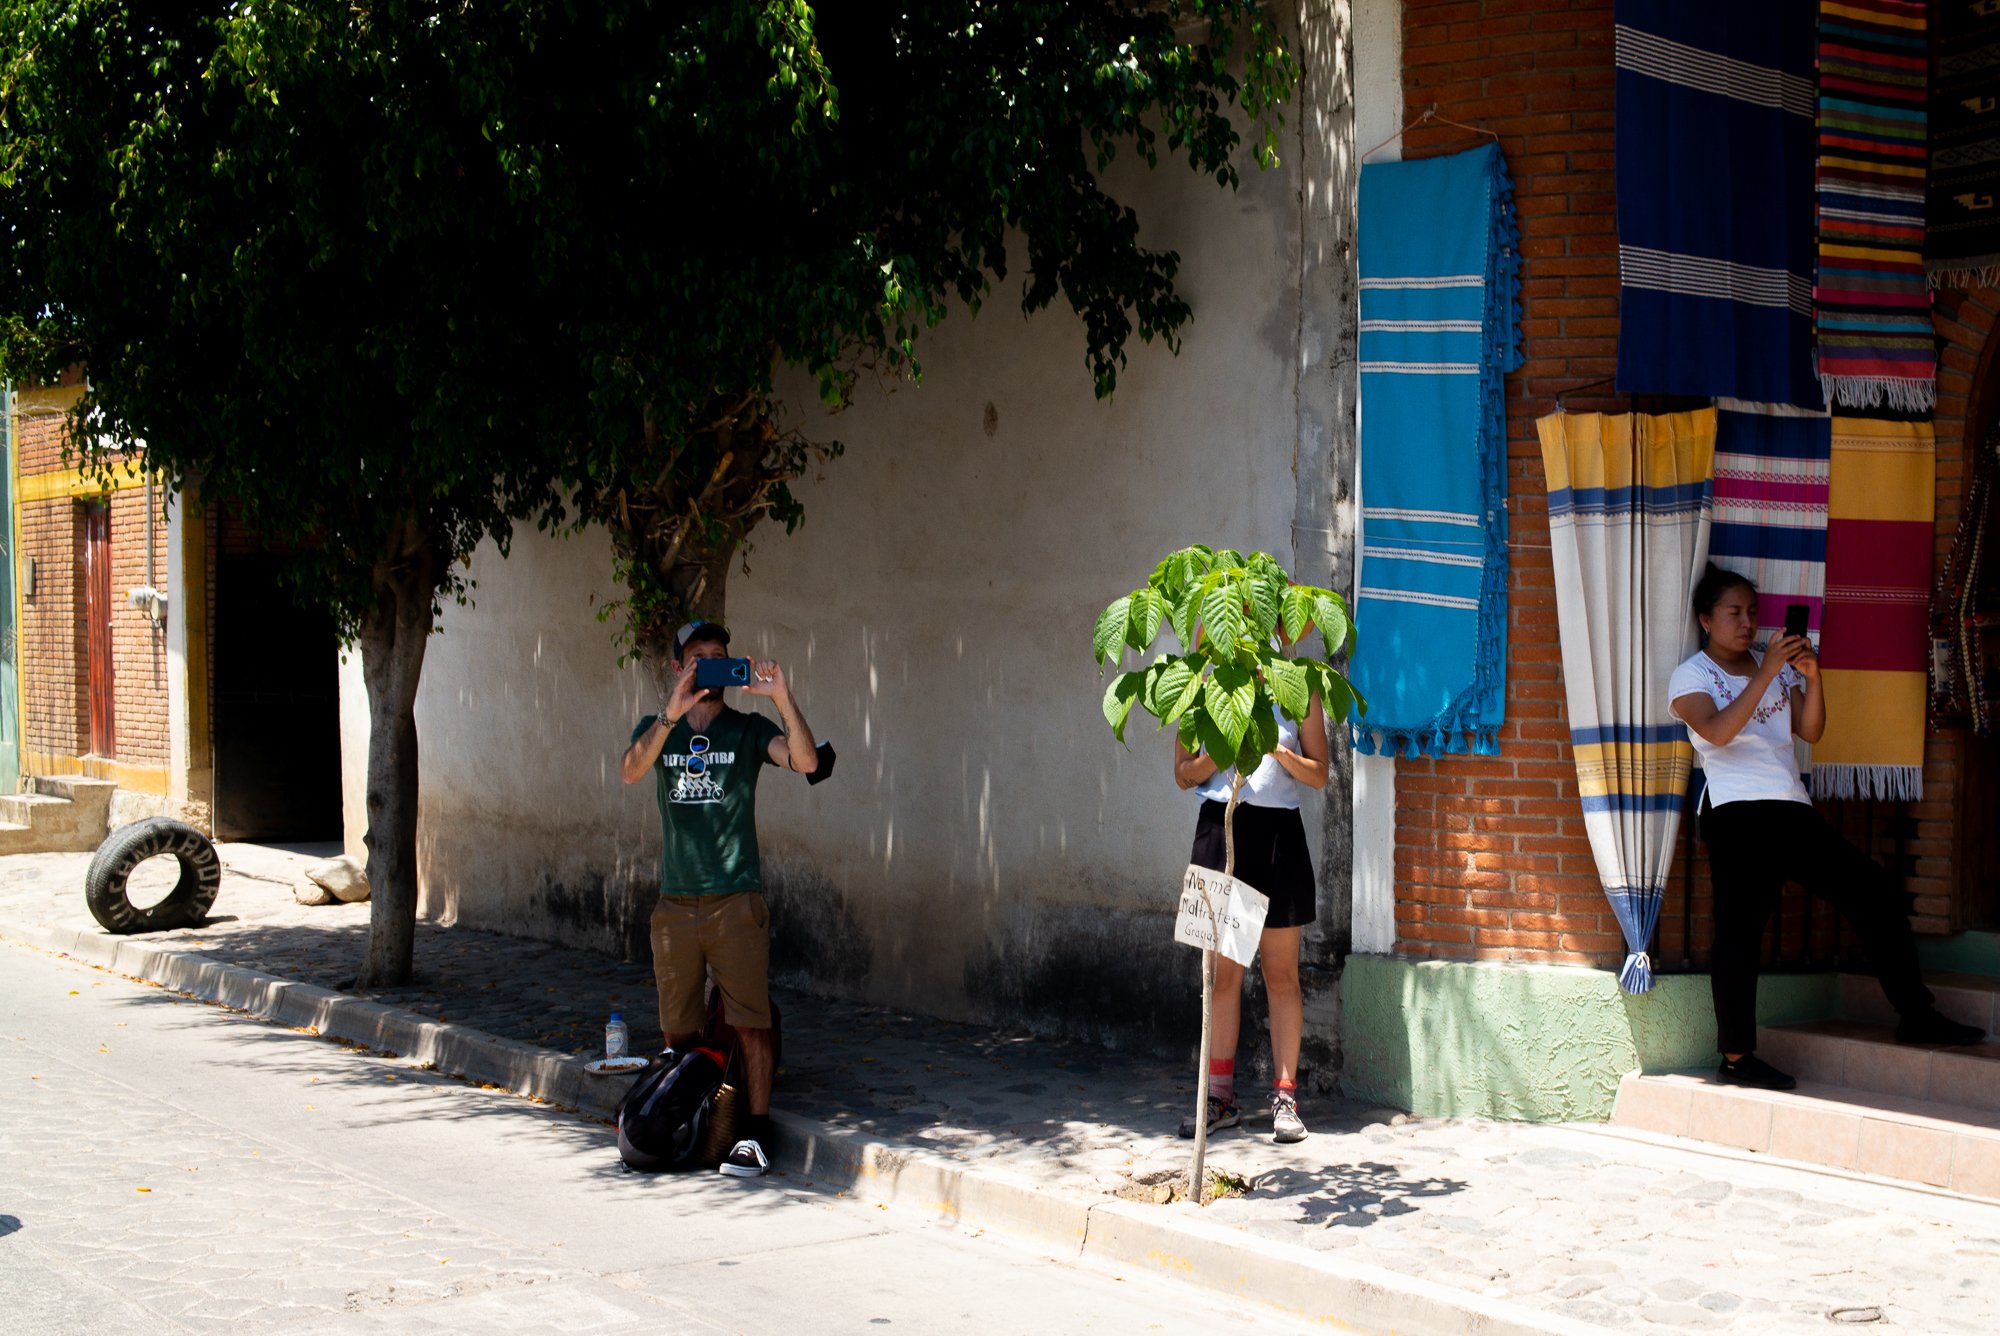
[[721, 672]]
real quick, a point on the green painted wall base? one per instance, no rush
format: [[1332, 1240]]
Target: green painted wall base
[[1538, 1043], [1963, 952]]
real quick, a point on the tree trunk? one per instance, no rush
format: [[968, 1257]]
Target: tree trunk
[[393, 639], [1196, 1178]]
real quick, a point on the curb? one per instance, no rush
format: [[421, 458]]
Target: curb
[[1170, 1241]]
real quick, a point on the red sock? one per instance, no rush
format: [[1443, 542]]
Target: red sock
[[1288, 1086], [1222, 1079]]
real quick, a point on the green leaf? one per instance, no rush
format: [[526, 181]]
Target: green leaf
[[1149, 607], [1164, 690], [1118, 699], [1331, 614], [1336, 696], [1291, 686], [1104, 640], [1228, 699], [1183, 611], [1260, 739], [1213, 740], [1222, 615], [1297, 609], [1186, 697], [1264, 597]]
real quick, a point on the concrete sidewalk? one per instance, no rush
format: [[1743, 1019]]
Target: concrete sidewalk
[[1376, 1222]]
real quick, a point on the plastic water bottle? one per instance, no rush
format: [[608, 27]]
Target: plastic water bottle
[[616, 1038]]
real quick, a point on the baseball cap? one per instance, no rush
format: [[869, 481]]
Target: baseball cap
[[699, 629]]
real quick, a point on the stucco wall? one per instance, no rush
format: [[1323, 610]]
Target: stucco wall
[[985, 849]]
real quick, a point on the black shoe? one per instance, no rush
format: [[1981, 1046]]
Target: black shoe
[[1754, 1073], [746, 1160], [1932, 1027]]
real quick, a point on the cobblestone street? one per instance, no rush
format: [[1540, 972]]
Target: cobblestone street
[[1621, 1231]]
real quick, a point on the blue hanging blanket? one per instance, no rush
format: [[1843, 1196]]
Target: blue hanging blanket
[[1715, 199], [1440, 328]]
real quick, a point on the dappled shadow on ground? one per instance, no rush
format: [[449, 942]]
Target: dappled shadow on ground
[[1063, 1111], [1351, 1195], [378, 1092]]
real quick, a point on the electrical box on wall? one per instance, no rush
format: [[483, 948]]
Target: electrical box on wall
[[27, 577]]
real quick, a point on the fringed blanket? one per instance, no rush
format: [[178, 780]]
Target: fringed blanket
[[1871, 303], [1770, 506], [1881, 501], [1715, 198], [1962, 245], [1629, 505], [1440, 293]]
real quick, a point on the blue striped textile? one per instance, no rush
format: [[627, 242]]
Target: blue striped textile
[[1440, 328], [1715, 151]]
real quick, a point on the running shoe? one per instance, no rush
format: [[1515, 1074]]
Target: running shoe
[[1221, 1113]]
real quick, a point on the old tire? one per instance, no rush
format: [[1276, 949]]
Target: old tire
[[186, 906]]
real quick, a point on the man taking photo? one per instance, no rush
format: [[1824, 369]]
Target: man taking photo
[[706, 757]]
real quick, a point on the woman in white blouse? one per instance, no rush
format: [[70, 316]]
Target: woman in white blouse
[[1742, 703]]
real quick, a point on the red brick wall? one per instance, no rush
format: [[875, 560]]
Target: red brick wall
[[1491, 858], [139, 651], [54, 656]]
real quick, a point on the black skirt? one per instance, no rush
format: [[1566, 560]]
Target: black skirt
[[1271, 856]]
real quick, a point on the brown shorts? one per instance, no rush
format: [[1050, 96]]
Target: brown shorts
[[727, 936]]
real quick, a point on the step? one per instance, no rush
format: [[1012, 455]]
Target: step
[[37, 809], [91, 796], [1975, 952], [1865, 1056], [1972, 998], [1891, 1136]]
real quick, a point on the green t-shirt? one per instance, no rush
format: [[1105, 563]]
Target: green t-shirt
[[707, 788]]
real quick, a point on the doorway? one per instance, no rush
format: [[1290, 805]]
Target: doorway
[[97, 610], [276, 706]]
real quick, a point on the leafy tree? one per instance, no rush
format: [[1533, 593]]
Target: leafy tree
[[390, 277], [911, 157], [1224, 690], [304, 282]]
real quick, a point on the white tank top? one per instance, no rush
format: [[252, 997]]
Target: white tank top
[[1269, 785]]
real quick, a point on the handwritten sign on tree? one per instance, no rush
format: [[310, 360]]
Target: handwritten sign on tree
[[1220, 913]]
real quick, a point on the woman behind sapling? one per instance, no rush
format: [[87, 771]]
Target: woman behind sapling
[[1742, 703], [1271, 857]]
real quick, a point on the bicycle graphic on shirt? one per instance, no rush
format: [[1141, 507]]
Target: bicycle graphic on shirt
[[696, 783]]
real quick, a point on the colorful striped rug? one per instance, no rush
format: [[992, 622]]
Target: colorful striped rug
[[1440, 328], [1962, 241], [1629, 501], [1871, 301], [1881, 504], [1770, 506], [1714, 169]]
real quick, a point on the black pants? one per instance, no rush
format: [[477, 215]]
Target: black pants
[[1754, 848]]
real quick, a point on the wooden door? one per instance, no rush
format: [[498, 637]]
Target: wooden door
[[97, 608]]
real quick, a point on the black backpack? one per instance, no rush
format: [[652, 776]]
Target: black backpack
[[663, 1121]]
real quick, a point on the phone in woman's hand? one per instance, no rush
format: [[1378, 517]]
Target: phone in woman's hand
[[1795, 620]]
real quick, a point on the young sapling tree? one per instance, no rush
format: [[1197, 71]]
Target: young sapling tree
[[1235, 617]]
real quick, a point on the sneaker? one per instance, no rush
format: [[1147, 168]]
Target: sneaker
[[1286, 1125], [1221, 1113], [1753, 1072], [1933, 1027], [746, 1160]]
